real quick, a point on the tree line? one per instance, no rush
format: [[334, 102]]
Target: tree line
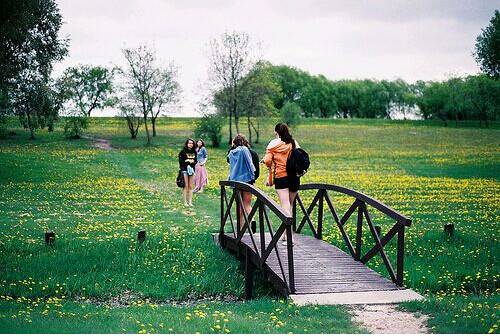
[[244, 86], [241, 85]]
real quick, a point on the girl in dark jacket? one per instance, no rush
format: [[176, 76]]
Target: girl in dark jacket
[[187, 162]]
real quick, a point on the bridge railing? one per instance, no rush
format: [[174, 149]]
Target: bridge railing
[[260, 249], [359, 204]]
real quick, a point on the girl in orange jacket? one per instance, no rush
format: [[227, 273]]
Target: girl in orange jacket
[[277, 153]]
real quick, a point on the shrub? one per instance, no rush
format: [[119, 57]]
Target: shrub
[[210, 127], [290, 114], [74, 126]]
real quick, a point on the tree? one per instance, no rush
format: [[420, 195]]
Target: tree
[[88, 87], [164, 91], [131, 112], [482, 95], [209, 126], [139, 77], [258, 92], [151, 87], [230, 59], [487, 48], [291, 81], [37, 106], [290, 114], [29, 44]]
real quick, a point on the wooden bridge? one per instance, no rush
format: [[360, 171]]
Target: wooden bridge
[[310, 270]]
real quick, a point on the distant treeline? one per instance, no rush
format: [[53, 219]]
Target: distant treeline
[[475, 97]]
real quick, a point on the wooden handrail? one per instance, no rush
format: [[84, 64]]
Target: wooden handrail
[[288, 224], [360, 206], [259, 208], [362, 197]]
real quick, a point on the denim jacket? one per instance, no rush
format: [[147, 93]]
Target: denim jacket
[[202, 155], [241, 166]]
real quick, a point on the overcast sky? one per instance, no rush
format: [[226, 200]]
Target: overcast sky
[[340, 39]]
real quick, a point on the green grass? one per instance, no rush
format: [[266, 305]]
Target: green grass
[[96, 201], [255, 317]]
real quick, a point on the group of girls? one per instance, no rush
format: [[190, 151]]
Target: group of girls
[[192, 161], [244, 167]]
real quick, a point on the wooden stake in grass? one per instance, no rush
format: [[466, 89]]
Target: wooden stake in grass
[[141, 236], [449, 228], [50, 237]]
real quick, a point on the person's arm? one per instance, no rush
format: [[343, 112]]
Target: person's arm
[[204, 156], [268, 158], [182, 160]]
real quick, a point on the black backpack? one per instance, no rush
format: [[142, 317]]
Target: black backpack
[[297, 163], [180, 180]]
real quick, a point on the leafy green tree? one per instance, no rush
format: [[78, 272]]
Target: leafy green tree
[[37, 105], [487, 48], [258, 91], [291, 81], [326, 103], [372, 99], [483, 97], [347, 95], [431, 100], [87, 87], [29, 44], [74, 126], [209, 126], [290, 114]]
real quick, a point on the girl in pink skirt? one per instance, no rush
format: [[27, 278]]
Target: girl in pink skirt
[[201, 176]]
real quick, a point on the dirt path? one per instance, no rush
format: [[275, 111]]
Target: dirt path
[[102, 144], [386, 319]]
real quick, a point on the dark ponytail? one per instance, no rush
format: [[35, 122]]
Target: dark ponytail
[[284, 133]]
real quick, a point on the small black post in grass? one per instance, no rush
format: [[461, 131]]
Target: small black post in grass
[[141, 236], [378, 229], [449, 228], [50, 237]]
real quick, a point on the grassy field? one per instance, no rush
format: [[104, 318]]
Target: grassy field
[[98, 279]]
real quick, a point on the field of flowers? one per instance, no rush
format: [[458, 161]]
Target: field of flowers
[[98, 278]]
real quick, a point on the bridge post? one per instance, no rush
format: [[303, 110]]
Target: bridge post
[[261, 230], [289, 245], [249, 270], [359, 231], [319, 233], [400, 255], [238, 209], [221, 229]]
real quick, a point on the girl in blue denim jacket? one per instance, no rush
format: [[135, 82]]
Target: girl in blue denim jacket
[[241, 169]]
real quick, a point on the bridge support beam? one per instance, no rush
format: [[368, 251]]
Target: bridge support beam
[[249, 272]]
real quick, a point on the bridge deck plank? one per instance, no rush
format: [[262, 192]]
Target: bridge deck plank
[[322, 268]]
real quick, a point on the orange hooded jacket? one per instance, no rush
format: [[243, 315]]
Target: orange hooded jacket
[[277, 153]]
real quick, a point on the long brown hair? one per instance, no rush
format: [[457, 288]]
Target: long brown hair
[[239, 140], [284, 133]]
